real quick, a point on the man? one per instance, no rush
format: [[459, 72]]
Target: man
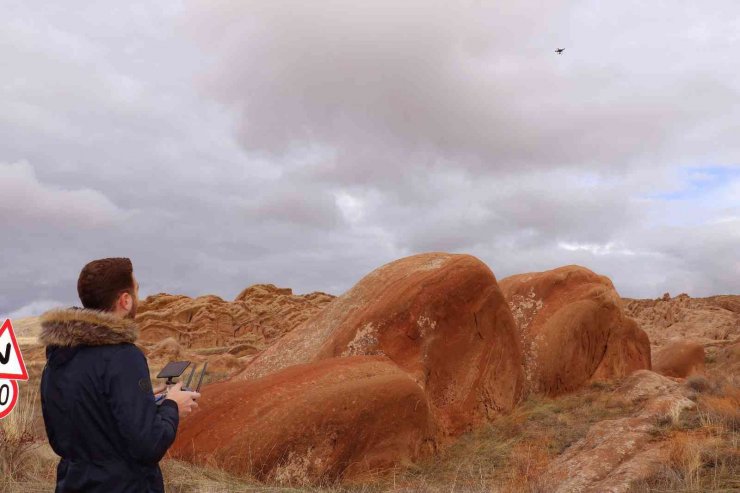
[[96, 395]]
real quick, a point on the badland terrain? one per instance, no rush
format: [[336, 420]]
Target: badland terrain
[[430, 374]]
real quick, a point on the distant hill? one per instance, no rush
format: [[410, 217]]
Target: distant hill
[[26, 327], [711, 321]]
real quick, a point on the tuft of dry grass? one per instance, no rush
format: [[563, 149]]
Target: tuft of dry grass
[[702, 444], [722, 408], [17, 439], [183, 477], [697, 464], [25, 461], [527, 464], [685, 458]]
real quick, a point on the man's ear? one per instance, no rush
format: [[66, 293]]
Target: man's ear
[[125, 301]]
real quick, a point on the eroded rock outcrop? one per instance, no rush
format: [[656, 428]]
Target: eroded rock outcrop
[[338, 418], [679, 358], [259, 315], [712, 322], [617, 453], [573, 329], [439, 317]]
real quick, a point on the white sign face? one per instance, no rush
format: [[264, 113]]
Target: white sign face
[[8, 396], [11, 360]]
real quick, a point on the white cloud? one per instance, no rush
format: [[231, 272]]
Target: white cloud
[[24, 199], [351, 207], [396, 85], [595, 248]]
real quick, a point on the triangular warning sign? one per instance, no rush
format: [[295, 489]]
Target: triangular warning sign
[[11, 360]]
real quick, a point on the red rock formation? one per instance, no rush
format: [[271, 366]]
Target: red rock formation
[[440, 317], [679, 358], [573, 329], [221, 366], [712, 322], [338, 418], [618, 453], [259, 315], [421, 348], [627, 349]]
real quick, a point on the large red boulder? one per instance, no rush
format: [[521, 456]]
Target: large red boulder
[[679, 358], [573, 329], [338, 418], [420, 349], [440, 317]]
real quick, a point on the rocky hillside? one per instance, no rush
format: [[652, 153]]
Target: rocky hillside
[[257, 316], [431, 375], [677, 326], [711, 321], [26, 327]]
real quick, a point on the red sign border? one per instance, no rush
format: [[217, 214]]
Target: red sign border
[[13, 384], [24, 373]]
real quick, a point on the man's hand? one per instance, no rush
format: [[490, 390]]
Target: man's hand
[[185, 399], [159, 389]]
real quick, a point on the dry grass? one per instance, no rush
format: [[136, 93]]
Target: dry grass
[[511, 453], [702, 444], [25, 460], [16, 440], [721, 409], [26, 341], [697, 463], [183, 477], [26, 327], [685, 458]]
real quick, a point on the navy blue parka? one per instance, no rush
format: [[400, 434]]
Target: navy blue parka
[[98, 406]]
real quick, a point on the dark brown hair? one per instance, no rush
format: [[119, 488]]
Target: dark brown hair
[[102, 281]]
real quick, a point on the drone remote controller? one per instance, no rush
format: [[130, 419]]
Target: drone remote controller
[[174, 369]]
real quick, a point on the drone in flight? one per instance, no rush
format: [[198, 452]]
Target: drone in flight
[[560, 51]]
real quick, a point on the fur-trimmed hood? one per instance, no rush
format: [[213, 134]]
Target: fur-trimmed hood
[[69, 327]]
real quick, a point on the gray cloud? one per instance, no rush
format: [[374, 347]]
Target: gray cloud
[[398, 84], [24, 200], [219, 144]]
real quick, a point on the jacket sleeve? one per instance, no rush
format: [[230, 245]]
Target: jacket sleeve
[[148, 430]]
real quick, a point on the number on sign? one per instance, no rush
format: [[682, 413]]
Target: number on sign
[[8, 396]]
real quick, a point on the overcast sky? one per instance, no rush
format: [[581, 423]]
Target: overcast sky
[[220, 144]]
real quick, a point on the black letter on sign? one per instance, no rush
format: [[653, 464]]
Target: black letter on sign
[[4, 400], [6, 358]]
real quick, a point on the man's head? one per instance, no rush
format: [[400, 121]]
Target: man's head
[[109, 284]]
